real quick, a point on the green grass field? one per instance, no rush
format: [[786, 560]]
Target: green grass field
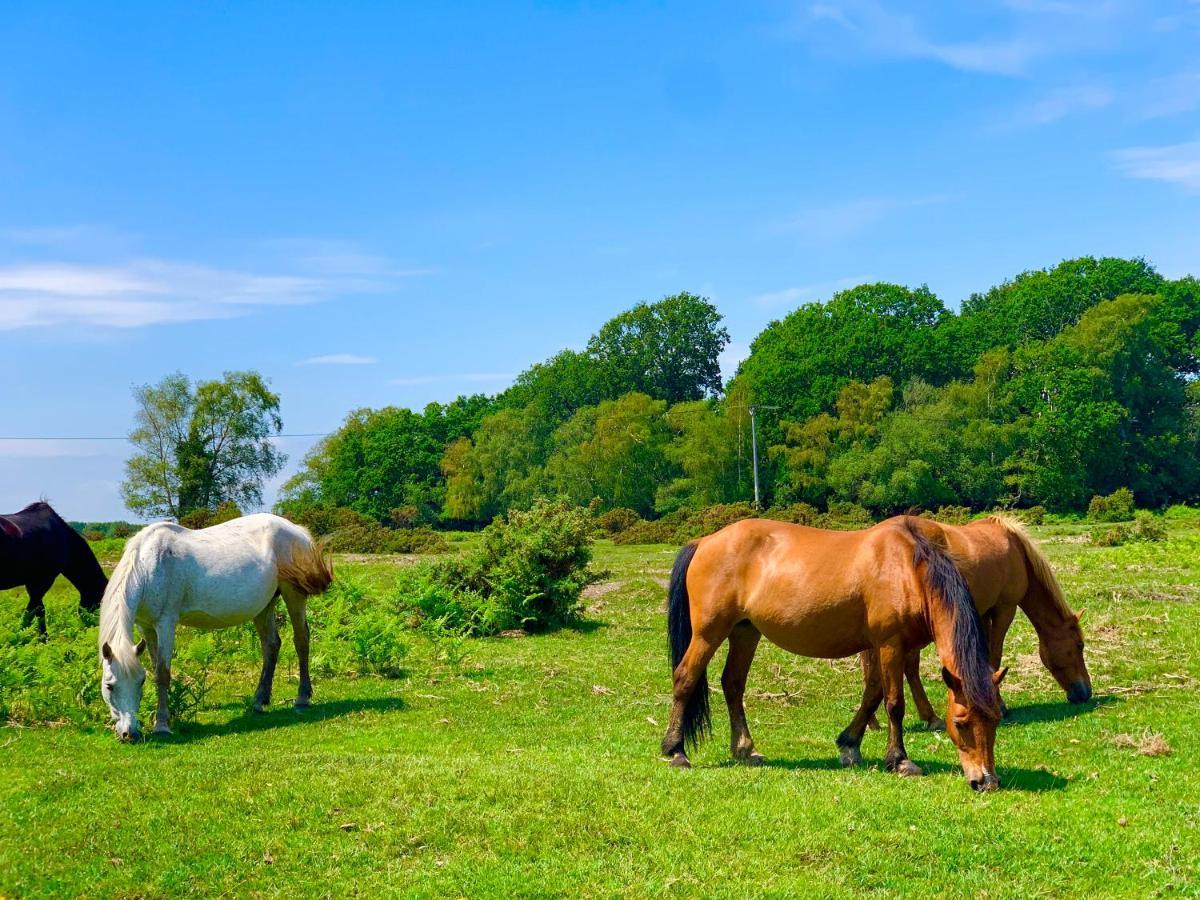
[[532, 768]]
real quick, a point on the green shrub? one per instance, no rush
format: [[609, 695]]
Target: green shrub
[[1116, 507], [408, 516], [528, 572], [1035, 515], [206, 518], [617, 520], [357, 635], [1144, 527], [795, 513], [951, 515], [847, 516]]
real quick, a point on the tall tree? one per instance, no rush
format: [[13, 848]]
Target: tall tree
[[669, 350], [203, 445]]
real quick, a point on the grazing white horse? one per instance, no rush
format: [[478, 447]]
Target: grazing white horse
[[213, 578]]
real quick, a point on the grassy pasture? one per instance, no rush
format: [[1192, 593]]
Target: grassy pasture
[[531, 768]]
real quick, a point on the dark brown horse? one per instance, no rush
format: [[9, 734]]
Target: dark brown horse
[[36, 546], [1006, 571], [890, 589]]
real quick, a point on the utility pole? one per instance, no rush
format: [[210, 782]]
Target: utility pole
[[754, 451]]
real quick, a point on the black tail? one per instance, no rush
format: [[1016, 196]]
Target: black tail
[[945, 584], [697, 720]]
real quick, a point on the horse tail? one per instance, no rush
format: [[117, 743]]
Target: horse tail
[[307, 567], [1039, 566], [944, 584], [697, 720]]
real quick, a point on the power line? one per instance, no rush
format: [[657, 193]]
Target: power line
[[309, 434]]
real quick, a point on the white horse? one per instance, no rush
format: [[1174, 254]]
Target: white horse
[[213, 578]]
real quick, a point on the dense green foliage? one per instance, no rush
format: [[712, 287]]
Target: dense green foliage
[[1044, 391], [199, 446], [527, 572]]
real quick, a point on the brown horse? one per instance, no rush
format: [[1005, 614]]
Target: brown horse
[[1006, 571], [890, 589]]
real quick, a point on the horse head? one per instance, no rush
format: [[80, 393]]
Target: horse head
[[972, 727], [121, 686], [1061, 649]]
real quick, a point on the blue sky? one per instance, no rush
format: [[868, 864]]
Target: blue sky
[[391, 203]]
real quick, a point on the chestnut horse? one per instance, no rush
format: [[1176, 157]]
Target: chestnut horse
[[1006, 571], [890, 589]]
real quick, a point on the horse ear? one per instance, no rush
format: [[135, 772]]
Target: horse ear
[[9, 528], [106, 651], [1079, 615], [141, 647], [951, 680], [998, 677]]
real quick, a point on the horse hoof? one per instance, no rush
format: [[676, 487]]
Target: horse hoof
[[753, 758], [936, 724], [259, 708], [161, 731], [908, 769], [303, 704], [679, 761], [851, 757]]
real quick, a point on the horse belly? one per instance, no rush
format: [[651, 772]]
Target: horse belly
[[227, 600], [824, 632]]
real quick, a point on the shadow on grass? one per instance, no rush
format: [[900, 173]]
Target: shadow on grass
[[1057, 711], [280, 717], [1011, 777]]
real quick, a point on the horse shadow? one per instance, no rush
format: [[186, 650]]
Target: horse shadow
[[249, 722], [1012, 777]]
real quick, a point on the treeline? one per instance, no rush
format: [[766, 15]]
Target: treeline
[[1045, 390]]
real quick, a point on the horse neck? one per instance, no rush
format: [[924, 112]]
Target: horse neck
[[82, 568], [1043, 612]]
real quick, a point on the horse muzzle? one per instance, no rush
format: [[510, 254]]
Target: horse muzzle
[[1079, 692], [988, 782]]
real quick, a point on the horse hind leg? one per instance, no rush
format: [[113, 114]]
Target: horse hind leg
[[743, 643], [689, 677], [297, 607], [912, 672], [268, 636]]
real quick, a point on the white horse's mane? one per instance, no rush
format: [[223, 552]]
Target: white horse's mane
[[121, 599]]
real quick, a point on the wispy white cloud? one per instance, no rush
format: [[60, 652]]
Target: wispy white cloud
[[1171, 95], [795, 296], [874, 29], [1058, 104], [468, 377], [1173, 163], [843, 220], [147, 291], [338, 359]]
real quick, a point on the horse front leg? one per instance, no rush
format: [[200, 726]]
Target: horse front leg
[[998, 624], [268, 635], [36, 608], [850, 740], [891, 663], [161, 642]]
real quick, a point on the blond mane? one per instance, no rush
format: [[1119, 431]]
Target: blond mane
[[1037, 560]]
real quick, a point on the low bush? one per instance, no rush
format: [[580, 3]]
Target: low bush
[[206, 518], [617, 520], [1144, 527], [1034, 515], [349, 531], [528, 572], [795, 513], [950, 515], [1116, 507]]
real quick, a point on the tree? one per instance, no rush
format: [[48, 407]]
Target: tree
[[801, 362], [614, 451], [498, 469], [669, 350], [711, 448], [1037, 305], [198, 447]]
